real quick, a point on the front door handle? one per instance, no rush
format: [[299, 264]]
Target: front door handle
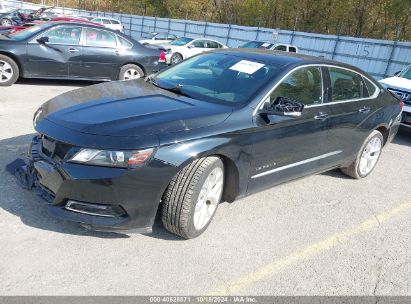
[[321, 116], [117, 52], [364, 110], [73, 50]]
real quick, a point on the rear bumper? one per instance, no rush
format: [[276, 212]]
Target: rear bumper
[[135, 192]]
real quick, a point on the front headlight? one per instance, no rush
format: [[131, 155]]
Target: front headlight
[[121, 159]]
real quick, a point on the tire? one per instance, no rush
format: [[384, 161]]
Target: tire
[[176, 58], [9, 71], [188, 197], [130, 71], [365, 161], [6, 22]]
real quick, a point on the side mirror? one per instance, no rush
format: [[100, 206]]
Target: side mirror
[[190, 46], [397, 73], [283, 106], [43, 40]]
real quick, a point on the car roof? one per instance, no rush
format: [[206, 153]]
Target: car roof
[[285, 58], [85, 24]]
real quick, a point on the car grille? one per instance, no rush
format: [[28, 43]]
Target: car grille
[[406, 118], [54, 149], [404, 95]]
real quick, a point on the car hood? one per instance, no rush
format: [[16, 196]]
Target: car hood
[[397, 83], [129, 108]]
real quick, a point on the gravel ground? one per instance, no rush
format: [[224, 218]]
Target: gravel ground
[[322, 235]]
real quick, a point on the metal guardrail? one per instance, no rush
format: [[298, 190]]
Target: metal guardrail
[[380, 58]]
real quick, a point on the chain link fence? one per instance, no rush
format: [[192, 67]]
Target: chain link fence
[[380, 58]]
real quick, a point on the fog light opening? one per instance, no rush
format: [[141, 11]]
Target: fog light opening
[[95, 209]]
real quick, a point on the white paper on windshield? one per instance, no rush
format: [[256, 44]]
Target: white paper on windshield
[[265, 44], [248, 67]]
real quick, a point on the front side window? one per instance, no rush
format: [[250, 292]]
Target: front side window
[[346, 85], [212, 45], [281, 48], [69, 35], [100, 38], [106, 21], [172, 37], [199, 44], [304, 85]]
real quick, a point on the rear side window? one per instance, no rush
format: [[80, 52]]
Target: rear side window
[[114, 21], [346, 85], [106, 21], [125, 43], [292, 49], [100, 38], [303, 85], [370, 87]]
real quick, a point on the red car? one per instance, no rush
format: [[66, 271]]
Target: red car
[[10, 29]]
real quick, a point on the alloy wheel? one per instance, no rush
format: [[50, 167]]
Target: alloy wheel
[[6, 22], [370, 155], [131, 74], [6, 71], [208, 199]]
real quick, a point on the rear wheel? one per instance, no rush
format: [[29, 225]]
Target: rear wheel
[[176, 58], [367, 157], [192, 197], [130, 71], [9, 71]]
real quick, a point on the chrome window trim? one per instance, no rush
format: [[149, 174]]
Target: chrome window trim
[[376, 93]]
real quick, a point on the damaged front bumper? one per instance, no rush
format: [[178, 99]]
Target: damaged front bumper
[[88, 195]]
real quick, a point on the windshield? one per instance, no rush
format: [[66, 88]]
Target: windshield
[[217, 77], [406, 73], [149, 35], [28, 32], [181, 41]]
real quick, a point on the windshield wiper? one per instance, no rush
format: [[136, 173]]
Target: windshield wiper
[[178, 89]]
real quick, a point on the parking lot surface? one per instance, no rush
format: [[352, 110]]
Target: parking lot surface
[[322, 235]]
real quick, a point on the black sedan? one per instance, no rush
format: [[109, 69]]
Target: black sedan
[[216, 127], [74, 51]]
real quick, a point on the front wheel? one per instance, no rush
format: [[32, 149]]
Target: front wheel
[[367, 157], [130, 71], [6, 22], [192, 197], [9, 71]]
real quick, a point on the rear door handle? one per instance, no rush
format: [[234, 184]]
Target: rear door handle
[[73, 50], [117, 52], [364, 110], [321, 116]]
